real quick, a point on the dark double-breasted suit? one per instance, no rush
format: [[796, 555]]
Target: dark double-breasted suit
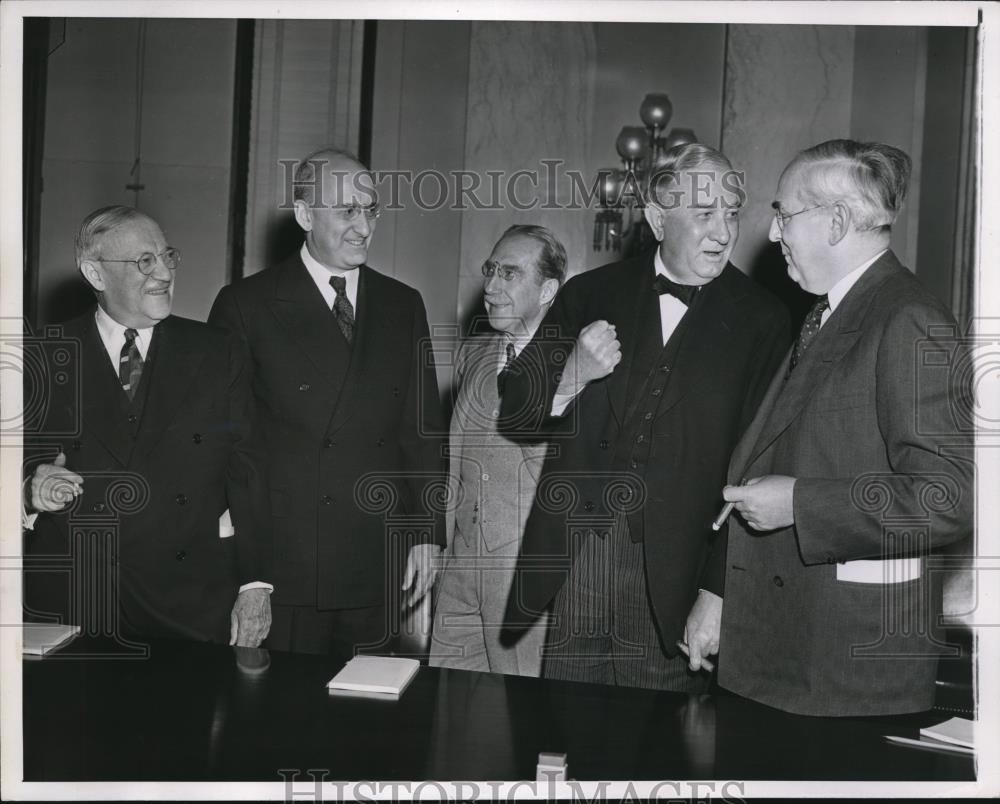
[[353, 433], [652, 439], [158, 473], [836, 614]]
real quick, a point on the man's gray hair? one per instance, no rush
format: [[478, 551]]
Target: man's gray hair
[[552, 259], [870, 177], [97, 224], [689, 156], [304, 178]]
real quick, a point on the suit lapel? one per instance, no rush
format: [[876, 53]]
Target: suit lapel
[[302, 311], [836, 337], [172, 365], [624, 308], [103, 399], [707, 331]]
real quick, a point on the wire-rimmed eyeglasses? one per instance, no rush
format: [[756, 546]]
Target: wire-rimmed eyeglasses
[[146, 263], [782, 218]]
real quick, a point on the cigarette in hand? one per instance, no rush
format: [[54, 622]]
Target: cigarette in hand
[[727, 509]]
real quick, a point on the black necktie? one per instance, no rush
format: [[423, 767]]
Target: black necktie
[[684, 293], [130, 364], [343, 310], [502, 376], [809, 329]]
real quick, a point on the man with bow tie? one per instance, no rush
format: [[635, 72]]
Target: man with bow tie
[[858, 464], [644, 376]]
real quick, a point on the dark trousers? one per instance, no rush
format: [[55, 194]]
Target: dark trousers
[[603, 629], [345, 632]]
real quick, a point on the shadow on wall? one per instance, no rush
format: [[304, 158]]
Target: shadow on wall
[[70, 298]]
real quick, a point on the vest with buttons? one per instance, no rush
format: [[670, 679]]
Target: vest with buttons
[[650, 374]]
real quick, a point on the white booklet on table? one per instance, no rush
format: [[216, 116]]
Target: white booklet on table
[[383, 675], [38, 639]]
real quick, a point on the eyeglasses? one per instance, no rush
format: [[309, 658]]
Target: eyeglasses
[[506, 272], [146, 264], [353, 212], [782, 218]]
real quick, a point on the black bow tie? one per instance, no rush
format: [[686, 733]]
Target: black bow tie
[[685, 293]]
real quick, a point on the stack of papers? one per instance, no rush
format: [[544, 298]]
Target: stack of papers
[[956, 732], [954, 736], [39, 639], [379, 676]]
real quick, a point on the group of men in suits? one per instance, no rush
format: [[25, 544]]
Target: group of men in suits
[[596, 432]]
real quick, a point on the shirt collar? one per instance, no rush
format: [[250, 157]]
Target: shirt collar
[[321, 274], [836, 294], [113, 334], [661, 268]]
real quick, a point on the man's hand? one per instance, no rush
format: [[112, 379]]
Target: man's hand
[[250, 619], [765, 502], [422, 566], [701, 634], [53, 486], [595, 355]]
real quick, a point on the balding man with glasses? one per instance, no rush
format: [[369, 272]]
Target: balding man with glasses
[[347, 399], [153, 436]]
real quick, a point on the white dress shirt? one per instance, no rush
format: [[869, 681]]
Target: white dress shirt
[[321, 276], [113, 337]]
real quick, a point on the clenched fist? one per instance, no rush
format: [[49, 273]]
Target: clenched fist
[[53, 485], [595, 355]]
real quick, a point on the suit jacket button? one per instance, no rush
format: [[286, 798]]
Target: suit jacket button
[[588, 506], [395, 391], [329, 443], [777, 581], [380, 442], [98, 508], [604, 444], [180, 555], [304, 386], [132, 418], [181, 499], [196, 438], [326, 499]]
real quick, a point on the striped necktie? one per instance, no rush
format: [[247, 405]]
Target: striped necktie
[[130, 364]]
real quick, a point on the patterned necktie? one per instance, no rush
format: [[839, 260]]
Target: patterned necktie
[[502, 376], [130, 364], [809, 329], [343, 310], [684, 293]]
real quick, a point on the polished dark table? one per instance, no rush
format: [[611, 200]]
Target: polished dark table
[[202, 712]]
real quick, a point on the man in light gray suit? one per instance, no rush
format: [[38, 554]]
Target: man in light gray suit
[[493, 479]]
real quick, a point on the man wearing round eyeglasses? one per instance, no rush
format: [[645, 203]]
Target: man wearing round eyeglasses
[[856, 465], [493, 478], [156, 438], [347, 400]]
